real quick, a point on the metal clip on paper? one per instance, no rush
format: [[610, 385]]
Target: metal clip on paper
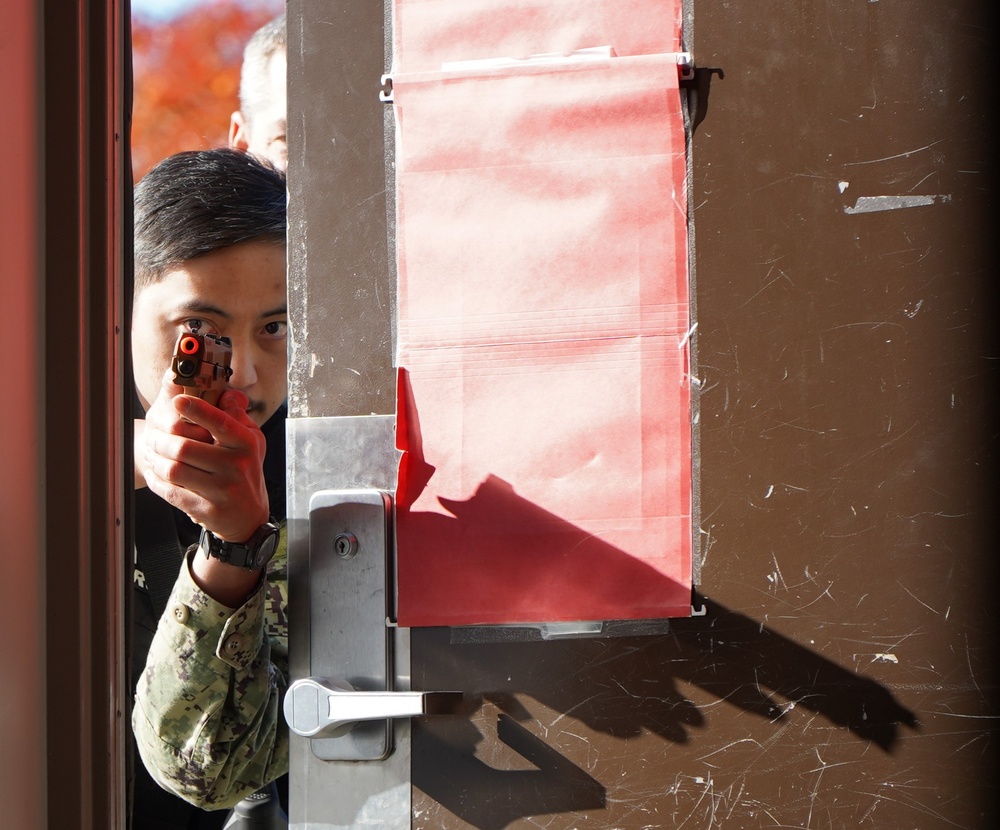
[[385, 93]]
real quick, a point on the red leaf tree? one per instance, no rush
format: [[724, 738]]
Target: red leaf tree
[[186, 76]]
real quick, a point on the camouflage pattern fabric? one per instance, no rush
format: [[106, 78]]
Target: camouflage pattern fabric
[[207, 717]]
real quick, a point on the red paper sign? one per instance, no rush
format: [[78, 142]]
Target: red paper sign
[[544, 400]]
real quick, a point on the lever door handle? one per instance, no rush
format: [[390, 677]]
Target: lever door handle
[[318, 707]]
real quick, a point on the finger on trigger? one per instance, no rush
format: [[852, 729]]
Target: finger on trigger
[[234, 400]]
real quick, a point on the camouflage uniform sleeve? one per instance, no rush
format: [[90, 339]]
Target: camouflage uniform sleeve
[[207, 716]]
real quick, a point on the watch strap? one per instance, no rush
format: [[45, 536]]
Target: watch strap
[[249, 555]]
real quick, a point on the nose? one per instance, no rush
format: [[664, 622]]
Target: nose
[[244, 366]]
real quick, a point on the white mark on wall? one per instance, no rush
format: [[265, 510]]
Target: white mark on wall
[[902, 155], [928, 607], [842, 186], [775, 576], [911, 311], [877, 204], [885, 658]]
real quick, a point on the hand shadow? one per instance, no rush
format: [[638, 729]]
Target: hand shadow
[[623, 687], [490, 798]]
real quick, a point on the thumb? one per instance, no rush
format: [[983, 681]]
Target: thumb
[[168, 386], [233, 402]]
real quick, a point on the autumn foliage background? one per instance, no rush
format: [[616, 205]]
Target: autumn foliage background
[[186, 76]]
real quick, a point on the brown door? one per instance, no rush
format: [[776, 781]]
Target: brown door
[[63, 272], [844, 673]]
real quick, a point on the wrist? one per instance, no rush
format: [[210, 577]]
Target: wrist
[[225, 584], [241, 534]]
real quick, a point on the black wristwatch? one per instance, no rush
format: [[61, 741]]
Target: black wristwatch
[[252, 554]]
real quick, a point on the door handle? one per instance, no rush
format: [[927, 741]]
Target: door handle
[[349, 632], [319, 707]]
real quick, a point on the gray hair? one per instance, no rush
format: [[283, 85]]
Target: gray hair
[[267, 40]]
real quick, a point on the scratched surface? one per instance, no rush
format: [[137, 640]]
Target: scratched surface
[[845, 674], [341, 282]]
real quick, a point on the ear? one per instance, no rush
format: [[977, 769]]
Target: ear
[[239, 132]]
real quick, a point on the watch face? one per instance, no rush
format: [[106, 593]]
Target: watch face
[[266, 547]]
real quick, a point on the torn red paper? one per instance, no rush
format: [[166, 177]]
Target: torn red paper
[[544, 401]]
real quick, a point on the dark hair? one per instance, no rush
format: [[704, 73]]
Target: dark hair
[[194, 203]]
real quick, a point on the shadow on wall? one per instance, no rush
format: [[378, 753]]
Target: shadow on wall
[[623, 688], [698, 89]]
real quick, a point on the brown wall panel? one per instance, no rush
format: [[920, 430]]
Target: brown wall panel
[[845, 672], [847, 413]]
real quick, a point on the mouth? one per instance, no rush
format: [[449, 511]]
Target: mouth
[[255, 410]]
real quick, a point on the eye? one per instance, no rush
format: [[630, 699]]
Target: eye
[[197, 325], [276, 328]]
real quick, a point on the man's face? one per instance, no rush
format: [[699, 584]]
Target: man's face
[[262, 132], [237, 292]]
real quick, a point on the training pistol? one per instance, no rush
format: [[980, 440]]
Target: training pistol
[[201, 363]]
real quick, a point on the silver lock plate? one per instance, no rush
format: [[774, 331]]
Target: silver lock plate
[[349, 548]]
